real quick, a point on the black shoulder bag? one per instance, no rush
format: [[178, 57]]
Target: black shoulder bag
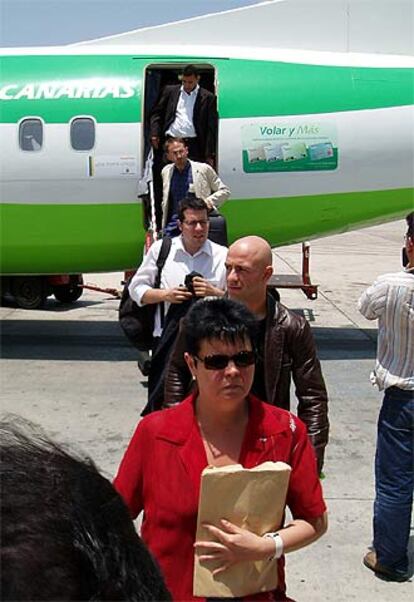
[[138, 322]]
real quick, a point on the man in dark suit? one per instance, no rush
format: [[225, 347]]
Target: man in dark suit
[[187, 111]]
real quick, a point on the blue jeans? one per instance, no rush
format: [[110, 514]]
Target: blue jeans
[[394, 479]]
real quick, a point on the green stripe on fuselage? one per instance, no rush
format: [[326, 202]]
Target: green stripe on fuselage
[[110, 237], [70, 238], [247, 88], [308, 217], [275, 89]]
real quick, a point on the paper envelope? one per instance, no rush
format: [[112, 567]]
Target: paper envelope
[[250, 498]]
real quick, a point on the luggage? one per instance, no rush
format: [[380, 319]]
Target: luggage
[[138, 322], [218, 228]]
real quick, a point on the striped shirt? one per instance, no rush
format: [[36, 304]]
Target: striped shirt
[[391, 300]]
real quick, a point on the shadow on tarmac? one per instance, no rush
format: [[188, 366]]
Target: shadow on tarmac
[[86, 340], [54, 306], [345, 343], [97, 340]]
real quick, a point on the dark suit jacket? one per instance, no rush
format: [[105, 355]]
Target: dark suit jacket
[[205, 117]]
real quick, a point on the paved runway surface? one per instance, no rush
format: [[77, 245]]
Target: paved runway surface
[[71, 370]]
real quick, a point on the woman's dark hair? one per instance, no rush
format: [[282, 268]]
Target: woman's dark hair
[[218, 318], [66, 534]]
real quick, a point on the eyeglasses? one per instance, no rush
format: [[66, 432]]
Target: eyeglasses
[[243, 359], [193, 223]]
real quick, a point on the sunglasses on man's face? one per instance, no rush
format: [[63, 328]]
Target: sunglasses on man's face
[[242, 359]]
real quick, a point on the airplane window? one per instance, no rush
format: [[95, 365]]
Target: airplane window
[[31, 135], [82, 133]]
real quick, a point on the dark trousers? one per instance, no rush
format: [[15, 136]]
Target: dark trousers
[[194, 151], [161, 354], [394, 479]]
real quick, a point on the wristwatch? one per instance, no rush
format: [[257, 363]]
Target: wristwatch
[[278, 544]]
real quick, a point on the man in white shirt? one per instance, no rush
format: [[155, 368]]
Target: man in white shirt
[[187, 111], [390, 300], [190, 252]]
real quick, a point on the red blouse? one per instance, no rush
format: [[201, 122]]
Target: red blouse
[[160, 474]]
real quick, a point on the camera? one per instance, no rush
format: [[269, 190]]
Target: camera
[[188, 281]]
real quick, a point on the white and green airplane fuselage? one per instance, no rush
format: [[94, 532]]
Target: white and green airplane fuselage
[[309, 144]]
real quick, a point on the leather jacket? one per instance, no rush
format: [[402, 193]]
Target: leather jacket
[[289, 352]]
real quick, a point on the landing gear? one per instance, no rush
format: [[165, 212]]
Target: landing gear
[[71, 292], [29, 292]]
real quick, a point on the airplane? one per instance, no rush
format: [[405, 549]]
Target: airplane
[[310, 142]]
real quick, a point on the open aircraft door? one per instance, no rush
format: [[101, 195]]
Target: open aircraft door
[[156, 77]]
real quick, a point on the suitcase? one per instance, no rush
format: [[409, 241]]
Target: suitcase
[[218, 228]]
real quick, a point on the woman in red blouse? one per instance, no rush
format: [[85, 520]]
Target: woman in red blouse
[[220, 424]]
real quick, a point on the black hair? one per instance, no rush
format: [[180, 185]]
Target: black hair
[[190, 70], [170, 140], [190, 202], [66, 534], [218, 318], [410, 223]]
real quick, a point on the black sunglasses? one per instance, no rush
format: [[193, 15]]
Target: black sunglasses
[[243, 359]]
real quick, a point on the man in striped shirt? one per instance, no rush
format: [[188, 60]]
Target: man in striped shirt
[[390, 300]]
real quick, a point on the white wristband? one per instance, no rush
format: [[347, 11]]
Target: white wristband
[[278, 544]]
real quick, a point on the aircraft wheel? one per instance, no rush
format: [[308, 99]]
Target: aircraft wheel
[[69, 293], [29, 292]]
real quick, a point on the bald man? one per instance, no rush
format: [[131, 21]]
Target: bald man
[[285, 345]]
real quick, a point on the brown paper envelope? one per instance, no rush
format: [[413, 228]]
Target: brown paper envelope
[[250, 498]]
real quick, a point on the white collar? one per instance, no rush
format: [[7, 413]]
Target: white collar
[[193, 92], [205, 248]]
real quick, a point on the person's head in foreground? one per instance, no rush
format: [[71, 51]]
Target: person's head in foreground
[[65, 532]]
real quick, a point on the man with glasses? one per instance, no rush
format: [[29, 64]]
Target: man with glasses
[[182, 176], [191, 254], [390, 300], [285, 346]]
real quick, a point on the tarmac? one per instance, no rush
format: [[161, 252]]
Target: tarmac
[[70, 369]]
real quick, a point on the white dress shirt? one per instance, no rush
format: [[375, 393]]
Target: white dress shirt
[[182, 126], [391, 300], [208, 261]]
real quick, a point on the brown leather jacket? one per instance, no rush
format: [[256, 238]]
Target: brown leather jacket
[[289, 352]]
